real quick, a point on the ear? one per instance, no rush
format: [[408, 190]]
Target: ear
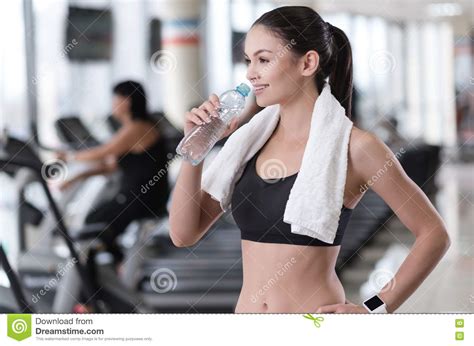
[[310, 63]]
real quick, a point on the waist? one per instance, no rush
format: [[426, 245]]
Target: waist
[[283, 278], [283, 262], [282, 300]]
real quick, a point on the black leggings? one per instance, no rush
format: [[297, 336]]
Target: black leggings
[[118, 213]]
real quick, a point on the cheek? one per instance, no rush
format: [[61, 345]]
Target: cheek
[[270, 72], [280, 73], [115, 102], [119, 105], [290, 79], [282, 82]]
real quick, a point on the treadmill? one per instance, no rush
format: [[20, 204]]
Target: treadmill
[[16, 292], [72, 131]]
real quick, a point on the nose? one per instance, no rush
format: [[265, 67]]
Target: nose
[[252, 74]]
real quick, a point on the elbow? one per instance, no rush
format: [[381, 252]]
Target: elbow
[[181, 244], [179, 241], [446, 241], [438, 239], [181, 234], [443, 241], [435, 248]]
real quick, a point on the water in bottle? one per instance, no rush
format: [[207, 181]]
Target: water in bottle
[[199, 141]]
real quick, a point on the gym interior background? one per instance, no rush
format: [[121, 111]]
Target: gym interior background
[[413, 87]]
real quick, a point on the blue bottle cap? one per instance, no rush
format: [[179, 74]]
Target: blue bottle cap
[[243, 89]]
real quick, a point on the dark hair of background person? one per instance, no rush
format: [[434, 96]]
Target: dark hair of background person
[[136, 93]]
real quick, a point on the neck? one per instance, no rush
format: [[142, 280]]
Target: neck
[[296, 114], [127, 118]]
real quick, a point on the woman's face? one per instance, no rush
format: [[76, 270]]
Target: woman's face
[[274, 71], [120, 107]]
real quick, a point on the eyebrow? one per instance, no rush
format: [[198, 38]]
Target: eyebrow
[[259, 51]]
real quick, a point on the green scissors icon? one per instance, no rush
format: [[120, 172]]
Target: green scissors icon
[[316, 320]]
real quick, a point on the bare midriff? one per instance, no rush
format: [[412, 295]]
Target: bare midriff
[[284, 278]]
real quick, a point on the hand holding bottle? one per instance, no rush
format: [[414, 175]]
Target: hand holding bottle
[[204, 114], [215, 119]]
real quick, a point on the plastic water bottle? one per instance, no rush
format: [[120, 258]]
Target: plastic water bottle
[[195, 146]]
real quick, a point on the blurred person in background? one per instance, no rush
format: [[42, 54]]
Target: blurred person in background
[[137, 150]]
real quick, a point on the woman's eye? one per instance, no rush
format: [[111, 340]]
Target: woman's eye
[[261, 60]]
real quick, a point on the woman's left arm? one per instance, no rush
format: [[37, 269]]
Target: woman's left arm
[[379, 169]]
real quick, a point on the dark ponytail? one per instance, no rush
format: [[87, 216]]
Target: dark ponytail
[[305, 28], [340, 76]]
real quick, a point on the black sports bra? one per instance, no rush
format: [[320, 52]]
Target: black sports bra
[[258, 207]]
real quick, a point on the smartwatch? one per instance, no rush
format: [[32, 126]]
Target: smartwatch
[[375, 305]]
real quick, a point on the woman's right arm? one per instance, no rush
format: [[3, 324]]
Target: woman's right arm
[[193, 211]]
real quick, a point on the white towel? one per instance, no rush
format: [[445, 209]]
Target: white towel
[[316, 198]]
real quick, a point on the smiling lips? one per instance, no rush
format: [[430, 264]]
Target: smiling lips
[[258, 89]]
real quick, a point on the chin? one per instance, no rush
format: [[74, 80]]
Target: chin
[[262, 102]]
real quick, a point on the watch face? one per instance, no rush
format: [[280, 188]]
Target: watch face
[[373, 303]]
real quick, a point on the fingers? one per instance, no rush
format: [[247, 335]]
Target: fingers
[[205, 112], [234, 124], [193, 118], [341, 309], [201, 114], [231, 126], [209, 107], [215, 100], [327, 309]]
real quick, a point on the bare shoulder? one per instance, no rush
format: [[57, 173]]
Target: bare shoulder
[[368, 154], [360, 137], [359, 141], [365, 145], [144, 131]]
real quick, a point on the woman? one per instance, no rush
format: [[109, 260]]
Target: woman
[[138, 151], [294, 80]]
